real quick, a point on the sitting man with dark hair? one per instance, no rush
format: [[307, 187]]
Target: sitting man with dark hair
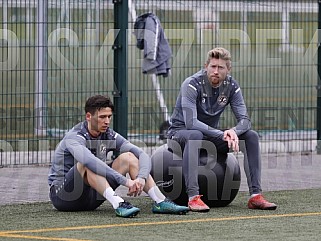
[[80, 179]]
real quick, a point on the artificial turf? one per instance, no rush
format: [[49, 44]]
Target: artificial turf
[[298, 217]]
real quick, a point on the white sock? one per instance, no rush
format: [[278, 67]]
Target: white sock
[[253, 195], [156, 194], [111, 197]]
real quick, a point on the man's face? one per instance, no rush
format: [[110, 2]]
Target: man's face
[[100, 121], [217, 71]]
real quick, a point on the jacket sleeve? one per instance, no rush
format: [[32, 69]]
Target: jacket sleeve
[[151, 38], [189, 97], [239, 109]]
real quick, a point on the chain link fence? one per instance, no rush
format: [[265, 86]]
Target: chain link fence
[[55, 54]]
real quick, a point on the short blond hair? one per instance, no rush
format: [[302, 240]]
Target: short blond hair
[[220, 53]]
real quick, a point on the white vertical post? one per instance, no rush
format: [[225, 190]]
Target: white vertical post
[[160, 97], [244, 23], [132, 10], [97, 21], [285, 29], [5, 19], [89, 18], [28, 24], [41, 69]]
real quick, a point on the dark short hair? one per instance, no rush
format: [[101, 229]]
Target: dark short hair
[[98, 102]]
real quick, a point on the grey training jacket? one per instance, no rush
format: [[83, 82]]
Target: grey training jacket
[[79, 146]]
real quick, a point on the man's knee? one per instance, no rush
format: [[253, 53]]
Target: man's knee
[[251, 135], [184, 137], [125, 161], [81, 169], [127, 157], [85, 173], [249, 141], [189, 135], [195, 135]]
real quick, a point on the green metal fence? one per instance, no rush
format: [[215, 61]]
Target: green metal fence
[[55, 54]]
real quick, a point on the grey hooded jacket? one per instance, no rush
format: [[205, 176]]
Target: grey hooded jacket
[[157, 52]]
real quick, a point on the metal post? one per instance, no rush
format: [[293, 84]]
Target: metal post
[[120, 123], [318, 147], [41, 69]]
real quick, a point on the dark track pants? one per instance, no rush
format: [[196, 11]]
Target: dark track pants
[[190, 141]]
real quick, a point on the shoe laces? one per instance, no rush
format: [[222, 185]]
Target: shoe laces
[[258, 197], [126, 205], [197, 198], [168, 201]]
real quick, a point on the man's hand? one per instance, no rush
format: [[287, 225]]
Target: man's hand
[[232, 139], [132, 188], [137, 188]]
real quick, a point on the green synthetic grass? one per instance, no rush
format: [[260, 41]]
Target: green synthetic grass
[[298, 217]]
